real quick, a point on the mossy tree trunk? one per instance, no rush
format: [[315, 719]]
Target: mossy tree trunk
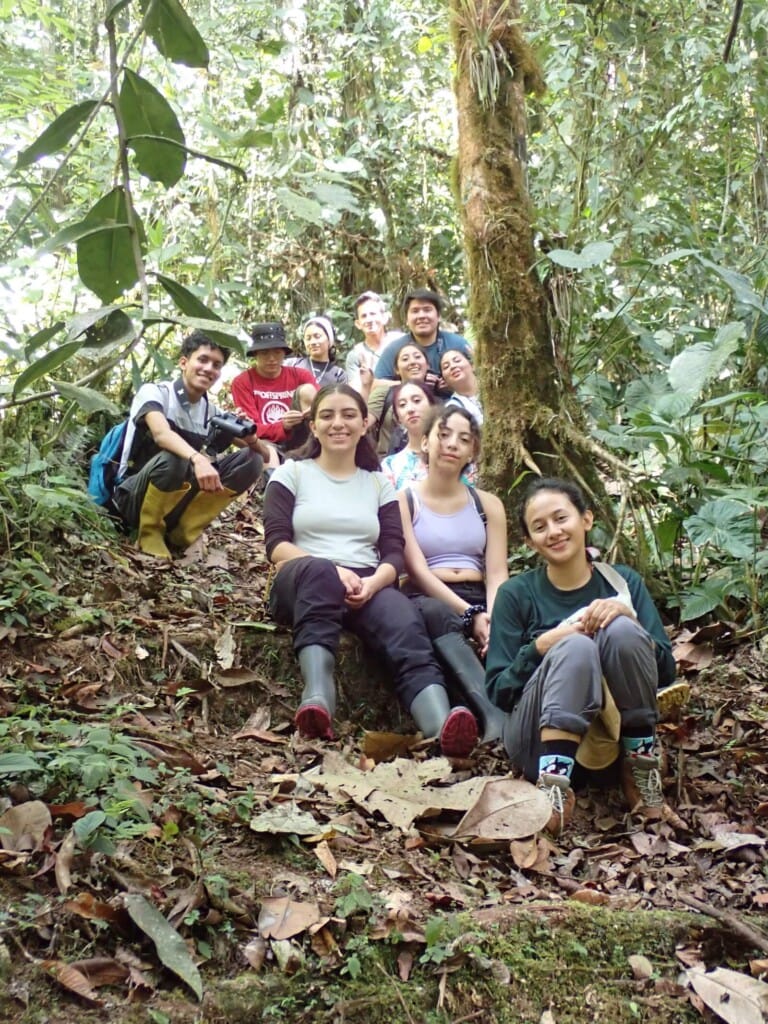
[[531, 415]]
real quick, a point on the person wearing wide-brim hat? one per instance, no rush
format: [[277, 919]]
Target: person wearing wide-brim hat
[[274, 395]]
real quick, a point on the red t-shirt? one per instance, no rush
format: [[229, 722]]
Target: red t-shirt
[[267, 401]]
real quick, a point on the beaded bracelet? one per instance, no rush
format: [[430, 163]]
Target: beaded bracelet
[[467, 619]]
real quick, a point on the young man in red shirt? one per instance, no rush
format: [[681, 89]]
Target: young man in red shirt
[[276, 397]]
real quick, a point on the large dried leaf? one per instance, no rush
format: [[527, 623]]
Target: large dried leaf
[[286, 819], [64, 855], [170, 946], [73, 980], [399, 790], [281, 917], [735, 997], [26, 826], [506, 809]]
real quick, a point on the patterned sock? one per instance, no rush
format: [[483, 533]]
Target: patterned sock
[[638, 746], [557, 757]]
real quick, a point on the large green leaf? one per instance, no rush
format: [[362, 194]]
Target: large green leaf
[[15, 764], [105, 258], [701, 363], [40, 337], [88, 399], [46, 364], [726, 525], [299, 206], [113, 329], [229, 335], [146, 112], [170, 946], [590, 256], [185, 300], [57, 134], [72, 233], [174, 33], [85, 321]]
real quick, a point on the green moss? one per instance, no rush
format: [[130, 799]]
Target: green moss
[[570, 960]]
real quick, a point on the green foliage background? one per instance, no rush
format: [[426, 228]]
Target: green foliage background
[[167, 165]]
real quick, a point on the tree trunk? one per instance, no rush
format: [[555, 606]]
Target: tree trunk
[[531, 415]]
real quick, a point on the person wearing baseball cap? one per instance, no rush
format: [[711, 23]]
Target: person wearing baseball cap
[[274, 395], [422, 309]]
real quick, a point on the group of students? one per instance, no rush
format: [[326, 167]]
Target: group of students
[[561, 663]]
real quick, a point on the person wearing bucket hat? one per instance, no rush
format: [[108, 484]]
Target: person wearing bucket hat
[[273, 394], [320, 344], [421, 311], [576, 654]]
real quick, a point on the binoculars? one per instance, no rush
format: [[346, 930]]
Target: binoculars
[[223, 429]]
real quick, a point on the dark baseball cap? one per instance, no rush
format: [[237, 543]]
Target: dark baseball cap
[[266, 336], [422, 295]]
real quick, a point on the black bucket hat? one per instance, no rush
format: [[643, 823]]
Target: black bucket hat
[[266, 336]]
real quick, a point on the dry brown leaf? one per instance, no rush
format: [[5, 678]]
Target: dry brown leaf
[[524, 852], [85, 905], [735, 997], [255, 952], [759, 968], [281, 917], [323, 943], [64, 856], [233, 677], [323, 853], [102, 970], [590, 896], [27, 825], [641, 966], [405, 965], [383, 746], [72, 979], [506, 809]]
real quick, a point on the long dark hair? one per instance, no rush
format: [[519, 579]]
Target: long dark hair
[[428, 391], [572, 492], [440, 416], [365, 453]]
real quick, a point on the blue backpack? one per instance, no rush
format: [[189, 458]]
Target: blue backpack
[[102, 479]]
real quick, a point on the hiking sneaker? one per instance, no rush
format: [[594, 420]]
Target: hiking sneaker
[[641, 784], [560, 794], [313, 721], [458, 736]]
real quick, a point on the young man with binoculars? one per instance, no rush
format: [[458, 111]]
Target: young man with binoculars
[[174, 476]]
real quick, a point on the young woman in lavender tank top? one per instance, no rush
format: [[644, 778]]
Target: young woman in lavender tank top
[[456, 556]]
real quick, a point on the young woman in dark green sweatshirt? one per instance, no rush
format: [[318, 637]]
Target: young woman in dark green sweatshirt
[[568, 640]]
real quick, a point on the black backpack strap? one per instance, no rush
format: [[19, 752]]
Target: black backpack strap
[[478, 505], [409, 499]]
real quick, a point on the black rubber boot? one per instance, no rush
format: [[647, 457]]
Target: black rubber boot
[[467, 671], [318, 698]]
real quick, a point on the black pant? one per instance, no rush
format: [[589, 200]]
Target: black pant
[[438, 617], [308, 595]]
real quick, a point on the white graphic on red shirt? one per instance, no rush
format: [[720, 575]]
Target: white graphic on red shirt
[[273, 412]]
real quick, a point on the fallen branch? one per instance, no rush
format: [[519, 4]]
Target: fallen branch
[[736, 925]]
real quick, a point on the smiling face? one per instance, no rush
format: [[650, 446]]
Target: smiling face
[[338, 423], [455, 368], [451, 443], [411, 363], [201, 369], [423, 319], [555, 528], [269, 362], [317, 343], [372, 318]]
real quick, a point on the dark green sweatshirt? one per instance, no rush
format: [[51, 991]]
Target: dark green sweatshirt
[[528, 605]]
